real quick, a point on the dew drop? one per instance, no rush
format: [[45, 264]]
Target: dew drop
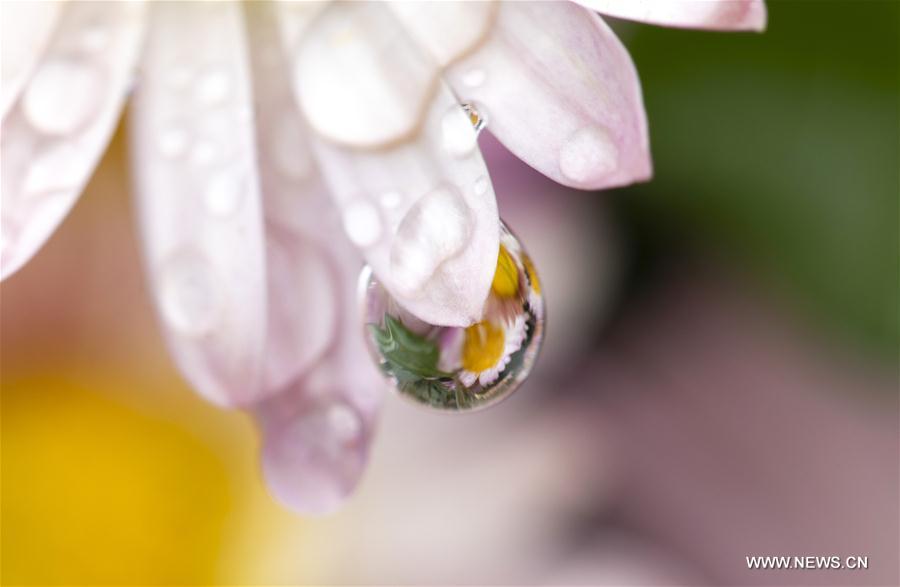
[[188, 296], [62, 96], [203, 153], [474, 78], [58, 167], [481, 186], [460, 139], [344, 423], [5, 240], [460, 369], [476, 116], [172, 141], [587, 155], [362, 222], [436, 228], [224, 193], [95, 38], [391, 199], [212, 87], [312, 461]]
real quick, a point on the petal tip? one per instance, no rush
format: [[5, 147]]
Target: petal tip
[[313, 462]]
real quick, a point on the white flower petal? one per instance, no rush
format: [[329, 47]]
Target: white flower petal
[[448, 30], [723, 15], [57, 130], [561, 92], [425, 218], [315, 445], [25, 31], [198, 199], [301, 221], [422, 209], [317, 431], [359, 79]]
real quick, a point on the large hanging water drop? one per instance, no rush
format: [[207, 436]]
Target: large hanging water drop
[[460, 369]]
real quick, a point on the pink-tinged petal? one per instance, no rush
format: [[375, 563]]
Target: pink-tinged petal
[[561, 92], [301, 221], [718, 15], [25, 30], [57, 130], [359, 80], [449, 30], [317, 431], [198, 200], [317, 434], [422, 209]]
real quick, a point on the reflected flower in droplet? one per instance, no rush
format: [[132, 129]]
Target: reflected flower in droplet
[[452, 368]]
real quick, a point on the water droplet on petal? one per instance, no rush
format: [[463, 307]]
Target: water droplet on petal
[[470, 368], [212, 87], [55, 168], [476, 116], [390, 200], [474, 78], [313, 461], [62, 96], [460, 139], [95, 38], [481, 186], [362, 222], [188, 293], [5, 240], [436, 228], [172, 141], [344, 423], [203, 153], [224, 193], [588, 154]]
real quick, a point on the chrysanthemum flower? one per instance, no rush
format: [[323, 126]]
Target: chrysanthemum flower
[[244, 119]]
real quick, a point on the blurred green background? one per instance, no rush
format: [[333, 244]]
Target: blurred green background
[[780, 151]]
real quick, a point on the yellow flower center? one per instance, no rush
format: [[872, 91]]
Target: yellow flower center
[[532, 274], [483, 347], [506, 278]]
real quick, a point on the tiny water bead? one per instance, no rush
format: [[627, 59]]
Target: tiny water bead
[[55, 112], [460, 369]]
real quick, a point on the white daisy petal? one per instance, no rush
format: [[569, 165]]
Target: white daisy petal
[[301, 221], [25, 30], [468, 378], [561, 92], [316, 432], [448, 30], [422, 209], [315, 440], [55, 133], [198, 199], [358, 78], [435, 248], [723, 15]]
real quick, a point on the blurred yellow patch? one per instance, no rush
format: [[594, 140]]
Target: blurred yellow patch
[[96, 492]]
